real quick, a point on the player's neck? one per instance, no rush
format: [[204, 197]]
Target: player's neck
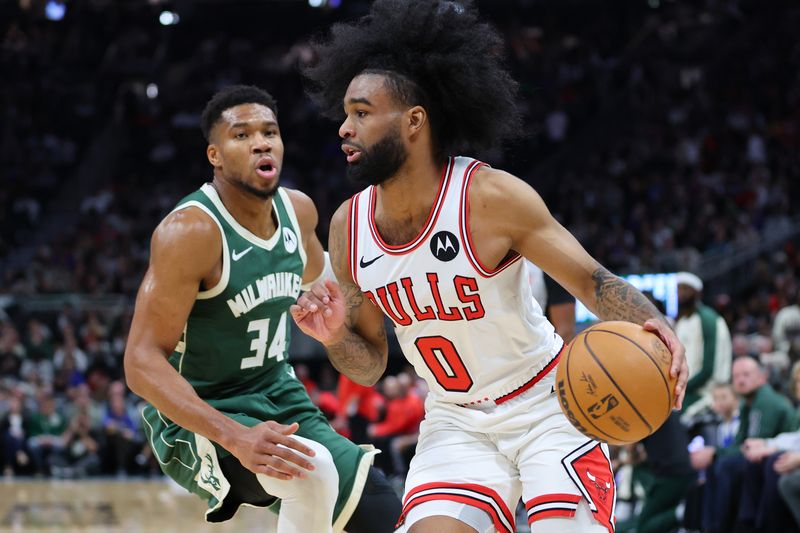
[[411, 191], [253, 213]]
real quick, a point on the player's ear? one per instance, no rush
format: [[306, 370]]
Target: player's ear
[[214, 157], [416, 120]]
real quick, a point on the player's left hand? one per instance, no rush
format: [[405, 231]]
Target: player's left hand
[[319, 312], [679, 368]]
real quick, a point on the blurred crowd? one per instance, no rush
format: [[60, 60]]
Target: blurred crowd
[[657, 132]]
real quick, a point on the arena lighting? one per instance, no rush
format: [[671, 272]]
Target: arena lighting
[[151, 91], [316, 3], [168, 18], [55, 10]]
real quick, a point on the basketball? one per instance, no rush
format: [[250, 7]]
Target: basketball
[[614, 383]]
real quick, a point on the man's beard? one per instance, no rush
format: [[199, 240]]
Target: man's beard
[[380, 162], [263, 194]]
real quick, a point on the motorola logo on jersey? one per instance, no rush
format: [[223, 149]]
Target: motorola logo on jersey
[[444, 246], [289, 240]]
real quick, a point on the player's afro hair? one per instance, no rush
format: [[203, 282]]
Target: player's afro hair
[[232, 96], [434, 53]]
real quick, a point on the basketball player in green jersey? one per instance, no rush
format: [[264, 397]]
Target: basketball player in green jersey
[[208, 343]]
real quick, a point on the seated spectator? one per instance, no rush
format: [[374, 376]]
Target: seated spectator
[[14, 430], [79, 456], [786, 329], [120, 435], [400, 426], [666, 475], [47, 427], [763, 413], [773, 464]]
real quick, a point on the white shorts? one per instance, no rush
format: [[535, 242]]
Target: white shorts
[[488, 456]]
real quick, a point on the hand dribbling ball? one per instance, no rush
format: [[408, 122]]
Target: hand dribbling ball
[[614, 383]]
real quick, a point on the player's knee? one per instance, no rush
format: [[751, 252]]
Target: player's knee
[[324, 479], [320, 485]]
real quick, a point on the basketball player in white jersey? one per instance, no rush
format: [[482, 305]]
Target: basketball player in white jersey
[[436, 243]]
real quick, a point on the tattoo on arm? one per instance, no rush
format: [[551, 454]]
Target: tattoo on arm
[[353, 355], [616, 299]]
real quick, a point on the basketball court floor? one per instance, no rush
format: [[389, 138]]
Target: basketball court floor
[[130, 506], [113, 506]]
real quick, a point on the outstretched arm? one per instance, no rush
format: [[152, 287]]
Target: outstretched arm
[[527, 227], [351, 327]]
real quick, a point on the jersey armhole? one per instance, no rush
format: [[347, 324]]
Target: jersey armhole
[[226, 265], [352, 237], [289, 207]]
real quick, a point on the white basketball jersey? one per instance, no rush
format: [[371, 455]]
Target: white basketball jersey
[[472, 331]]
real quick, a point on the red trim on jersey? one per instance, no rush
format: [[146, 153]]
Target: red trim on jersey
[[442, 491], [552, 506], [352, 235], [534, 380], [427, 228], [466, 236], [550, 513], [552, 498]]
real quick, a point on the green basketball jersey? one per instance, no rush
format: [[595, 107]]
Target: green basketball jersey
[[237, 334]]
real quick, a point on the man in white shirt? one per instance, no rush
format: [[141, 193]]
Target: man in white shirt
[[707, 339]]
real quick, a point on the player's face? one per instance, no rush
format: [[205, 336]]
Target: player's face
[[247, 149], [371, 135]]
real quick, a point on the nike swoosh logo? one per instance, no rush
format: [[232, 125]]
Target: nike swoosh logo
[[365, 264], [241, 254]]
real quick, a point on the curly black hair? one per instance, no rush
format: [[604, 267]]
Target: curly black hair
[[434, 53], [232, 96]]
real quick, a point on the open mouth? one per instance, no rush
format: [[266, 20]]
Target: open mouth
[[352, 154], [266, 170]]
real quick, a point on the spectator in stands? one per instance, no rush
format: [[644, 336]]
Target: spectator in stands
[[80, 455], [404, 412], [120, 435], [706, 338], [788, 466], [47, 427], [762, 506], [786, 329], [38, 364], [14, 430], [12, 352], [665, 475], [763, 414], [359, 405]]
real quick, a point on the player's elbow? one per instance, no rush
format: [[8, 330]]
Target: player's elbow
[[132, 368]]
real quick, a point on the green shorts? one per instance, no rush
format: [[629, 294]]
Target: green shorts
[[193, 461]]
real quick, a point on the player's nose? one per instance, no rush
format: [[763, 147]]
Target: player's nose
[[261, 144], [346, 129]]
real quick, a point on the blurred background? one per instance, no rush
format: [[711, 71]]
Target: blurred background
[[664, 134]]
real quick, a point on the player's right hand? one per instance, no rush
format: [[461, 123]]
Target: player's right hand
[[267, 449], [320, 312]]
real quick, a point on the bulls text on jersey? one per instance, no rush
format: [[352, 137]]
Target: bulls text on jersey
[[403, 310]]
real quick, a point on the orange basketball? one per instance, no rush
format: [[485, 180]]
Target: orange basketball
[[614, 383]]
